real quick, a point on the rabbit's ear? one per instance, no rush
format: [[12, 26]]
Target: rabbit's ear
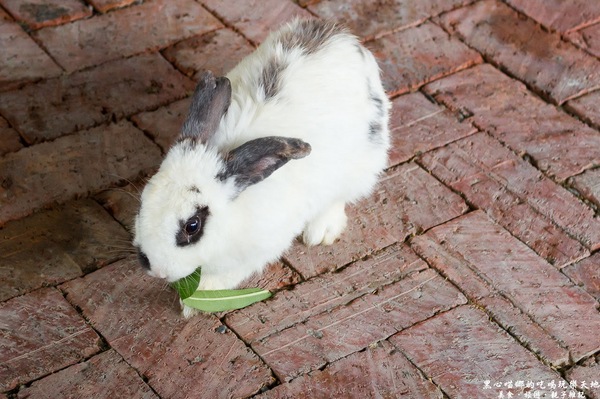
[[255, 160], [209, 103]]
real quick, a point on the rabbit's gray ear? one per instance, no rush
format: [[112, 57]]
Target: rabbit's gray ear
[[209, 103], [255, 160]]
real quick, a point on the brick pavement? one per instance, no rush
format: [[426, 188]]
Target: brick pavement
[[473, 271]]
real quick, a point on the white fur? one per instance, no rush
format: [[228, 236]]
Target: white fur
[[324, 99]]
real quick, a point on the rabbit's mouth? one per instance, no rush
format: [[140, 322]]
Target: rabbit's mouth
[[187, 285]]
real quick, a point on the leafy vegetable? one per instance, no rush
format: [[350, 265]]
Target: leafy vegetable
[[220, 300], [215, 300], [186, 286]]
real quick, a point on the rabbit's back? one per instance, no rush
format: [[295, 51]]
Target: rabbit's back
[[311, 80]]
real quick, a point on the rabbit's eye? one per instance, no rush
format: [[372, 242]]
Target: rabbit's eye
[[191, 230], [192, 226]]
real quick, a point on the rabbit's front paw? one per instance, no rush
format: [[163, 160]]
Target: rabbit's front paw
[[327, 227], [188, 312]]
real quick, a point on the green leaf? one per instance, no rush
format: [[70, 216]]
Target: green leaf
[[186, 286], [221, 300], [215, 300]]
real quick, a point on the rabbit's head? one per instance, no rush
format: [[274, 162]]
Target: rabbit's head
[[184, 206]]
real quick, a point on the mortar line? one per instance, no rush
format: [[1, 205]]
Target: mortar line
[[352, 316]]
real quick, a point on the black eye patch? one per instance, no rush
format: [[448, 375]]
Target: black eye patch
[[190, 230]]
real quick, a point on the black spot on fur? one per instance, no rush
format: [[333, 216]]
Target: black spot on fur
[[311, 35], [186, 235], [378, 101], [188, 143], [375, 132], [376, 126], [361, 50], [143, 259], [270, 79]]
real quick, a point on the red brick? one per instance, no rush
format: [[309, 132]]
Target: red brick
[[452, 266], [41, 333], [482, 170], [523, 221], [368, 230], [587, 39], [559, 145], [274, 277], [304, 3], [21, 59], [415, 201], [255, 19], [587, 372], [103, 376], [523, 278], [141, 320], [413, 57], [9, 138], [417, 125], [64, 105], [54, 246], [380, 371], [73, 165], [122, 33], [122, 203], [108, 5], [323, 293], [134, 312], [586, 273], [333, 335], [559, 15], [587, 185], [552, 67], [368, 19], [406, 202], [477, 289], [461, 350], [202, 359], [530, 334], [586, 108], [568, 212], [164, 124], [218, 51], [39, 13]]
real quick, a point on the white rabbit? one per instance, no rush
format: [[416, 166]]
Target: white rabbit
[[225, 197]]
